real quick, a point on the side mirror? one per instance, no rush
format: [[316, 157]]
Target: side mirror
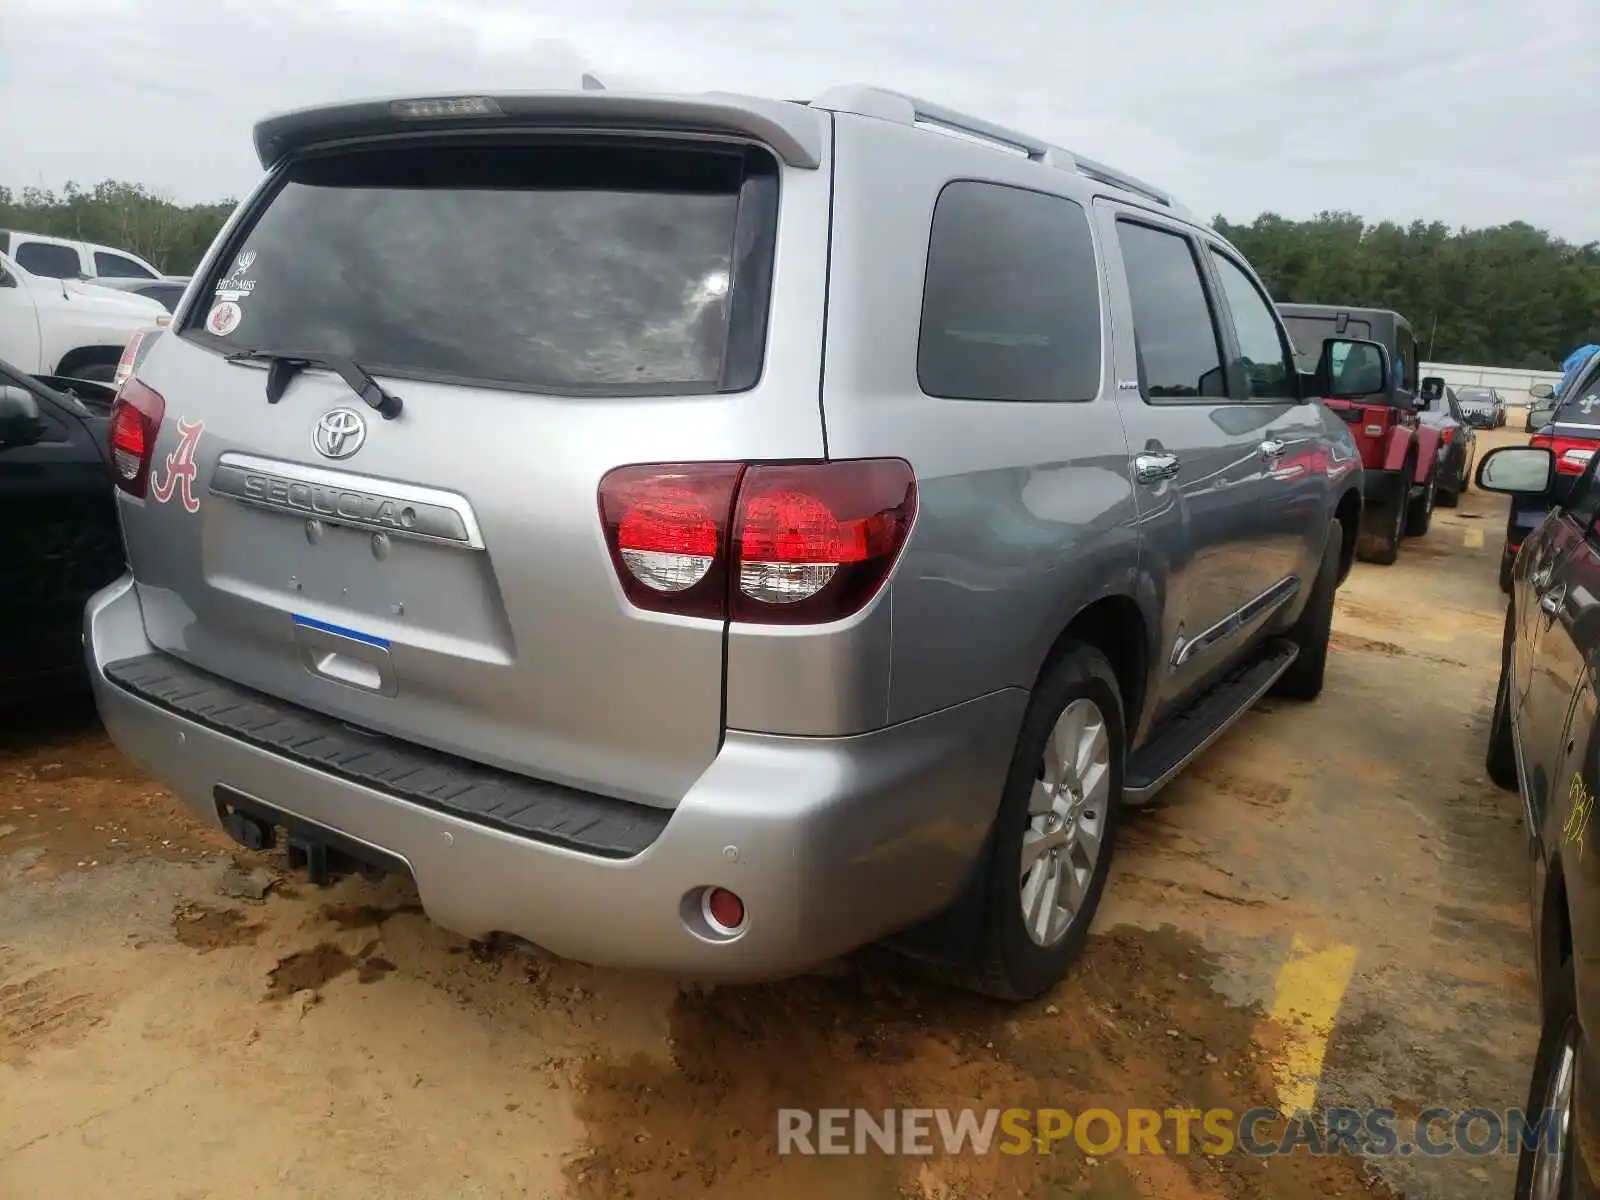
[[1432, 389], [1350, 369], [20, 424], [1541, 391], [1517, 470]]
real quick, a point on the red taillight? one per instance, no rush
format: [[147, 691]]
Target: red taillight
[[136, 416], [1572, 454], [1447, 434], [130, 353], [780, 544]]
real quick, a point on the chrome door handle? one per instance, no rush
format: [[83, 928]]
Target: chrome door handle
[[1271, 448], [1552, 600], [1155, 465]]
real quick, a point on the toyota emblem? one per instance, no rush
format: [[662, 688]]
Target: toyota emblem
[[339, 433]]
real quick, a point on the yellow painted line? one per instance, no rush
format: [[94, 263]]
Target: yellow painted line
[[1311, 985], [1472, 539]]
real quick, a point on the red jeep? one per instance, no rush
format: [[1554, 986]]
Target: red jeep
[[1399, 454]]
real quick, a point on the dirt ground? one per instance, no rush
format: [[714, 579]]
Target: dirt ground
[[181, 1019]]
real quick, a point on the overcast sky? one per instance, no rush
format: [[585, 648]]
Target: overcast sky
[[1466, 111]]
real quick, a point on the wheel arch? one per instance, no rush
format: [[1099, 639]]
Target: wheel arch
[[1348, 513], [1116, 626]]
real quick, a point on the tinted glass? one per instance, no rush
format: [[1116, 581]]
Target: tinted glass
[[1268, 371], [1405, 364], [167, 294], [1308, 334], [1172, 326], [1476, 395], [1011, 299], [117, 266], [580, 266], [55, 262]]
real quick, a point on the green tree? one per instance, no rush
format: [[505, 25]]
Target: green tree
[[173, 237], [1508, 296]]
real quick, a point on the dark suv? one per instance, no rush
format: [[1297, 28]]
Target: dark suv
[[1399, 453]]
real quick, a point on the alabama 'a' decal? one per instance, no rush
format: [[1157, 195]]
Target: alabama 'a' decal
[[180, 467]]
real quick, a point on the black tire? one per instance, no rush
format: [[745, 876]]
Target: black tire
[[1507, 561], [1447, 499], [1007, 962], [1381, 529], [1560, 1027], [1500, 760], [1419, 513], [1303, 679]]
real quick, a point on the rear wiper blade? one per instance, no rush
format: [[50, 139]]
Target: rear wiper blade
[[282, 368]]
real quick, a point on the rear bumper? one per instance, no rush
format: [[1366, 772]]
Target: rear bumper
[[830, 842]]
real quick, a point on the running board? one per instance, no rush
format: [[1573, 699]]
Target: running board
[[1179, 741]]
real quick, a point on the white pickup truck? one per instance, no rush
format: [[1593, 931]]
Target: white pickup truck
[[68, 327]]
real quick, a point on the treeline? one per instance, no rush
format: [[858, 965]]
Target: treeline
[[1509, 296], [126, 215]]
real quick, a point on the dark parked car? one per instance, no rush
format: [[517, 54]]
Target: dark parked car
[[1572, 434], [1544, 741], [1458, 444], [1542, 406], [59, 541], [1484, 407]]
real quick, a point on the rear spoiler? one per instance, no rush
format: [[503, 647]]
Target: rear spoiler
[[794, 131]]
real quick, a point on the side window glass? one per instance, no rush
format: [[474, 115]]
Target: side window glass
[[1268, 369], [1011, 298], [7, 279], [1173, 329], [50, 260], [1405, 365], [117, 266]]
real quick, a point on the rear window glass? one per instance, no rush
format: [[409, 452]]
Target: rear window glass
[[1011, 298], [49, 260], [602, 267], [1308, 334]]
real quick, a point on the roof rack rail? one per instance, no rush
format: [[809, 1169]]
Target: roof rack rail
[[888, 105]]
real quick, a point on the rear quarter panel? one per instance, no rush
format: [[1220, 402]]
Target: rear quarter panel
[[1025, 511]]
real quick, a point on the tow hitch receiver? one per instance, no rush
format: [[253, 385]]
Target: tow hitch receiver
[[323, 854]]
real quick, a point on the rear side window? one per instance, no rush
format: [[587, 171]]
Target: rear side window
[[1308, 334], [1011, 298], [52, 261], [118, 266], [1173, 329], [598, 267], [1405, 367]]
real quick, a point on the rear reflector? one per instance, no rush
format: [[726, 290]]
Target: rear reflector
[[136, 416], [790, 543], [130, 354]]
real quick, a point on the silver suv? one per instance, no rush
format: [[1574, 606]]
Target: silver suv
[[708, 533]]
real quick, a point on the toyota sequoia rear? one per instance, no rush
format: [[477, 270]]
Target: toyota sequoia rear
[[484, 421]]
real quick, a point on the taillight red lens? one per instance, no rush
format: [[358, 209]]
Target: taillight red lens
[[810, 542], [136, 416], [1572, 454], [815, 541], [1447, 434], [667, 526]]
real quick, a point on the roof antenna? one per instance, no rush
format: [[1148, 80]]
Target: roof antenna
[[592, 84]]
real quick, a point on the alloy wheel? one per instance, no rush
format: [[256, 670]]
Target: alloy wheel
[[1066, 822]]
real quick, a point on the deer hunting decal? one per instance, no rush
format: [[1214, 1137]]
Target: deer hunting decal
[[180, 467]]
